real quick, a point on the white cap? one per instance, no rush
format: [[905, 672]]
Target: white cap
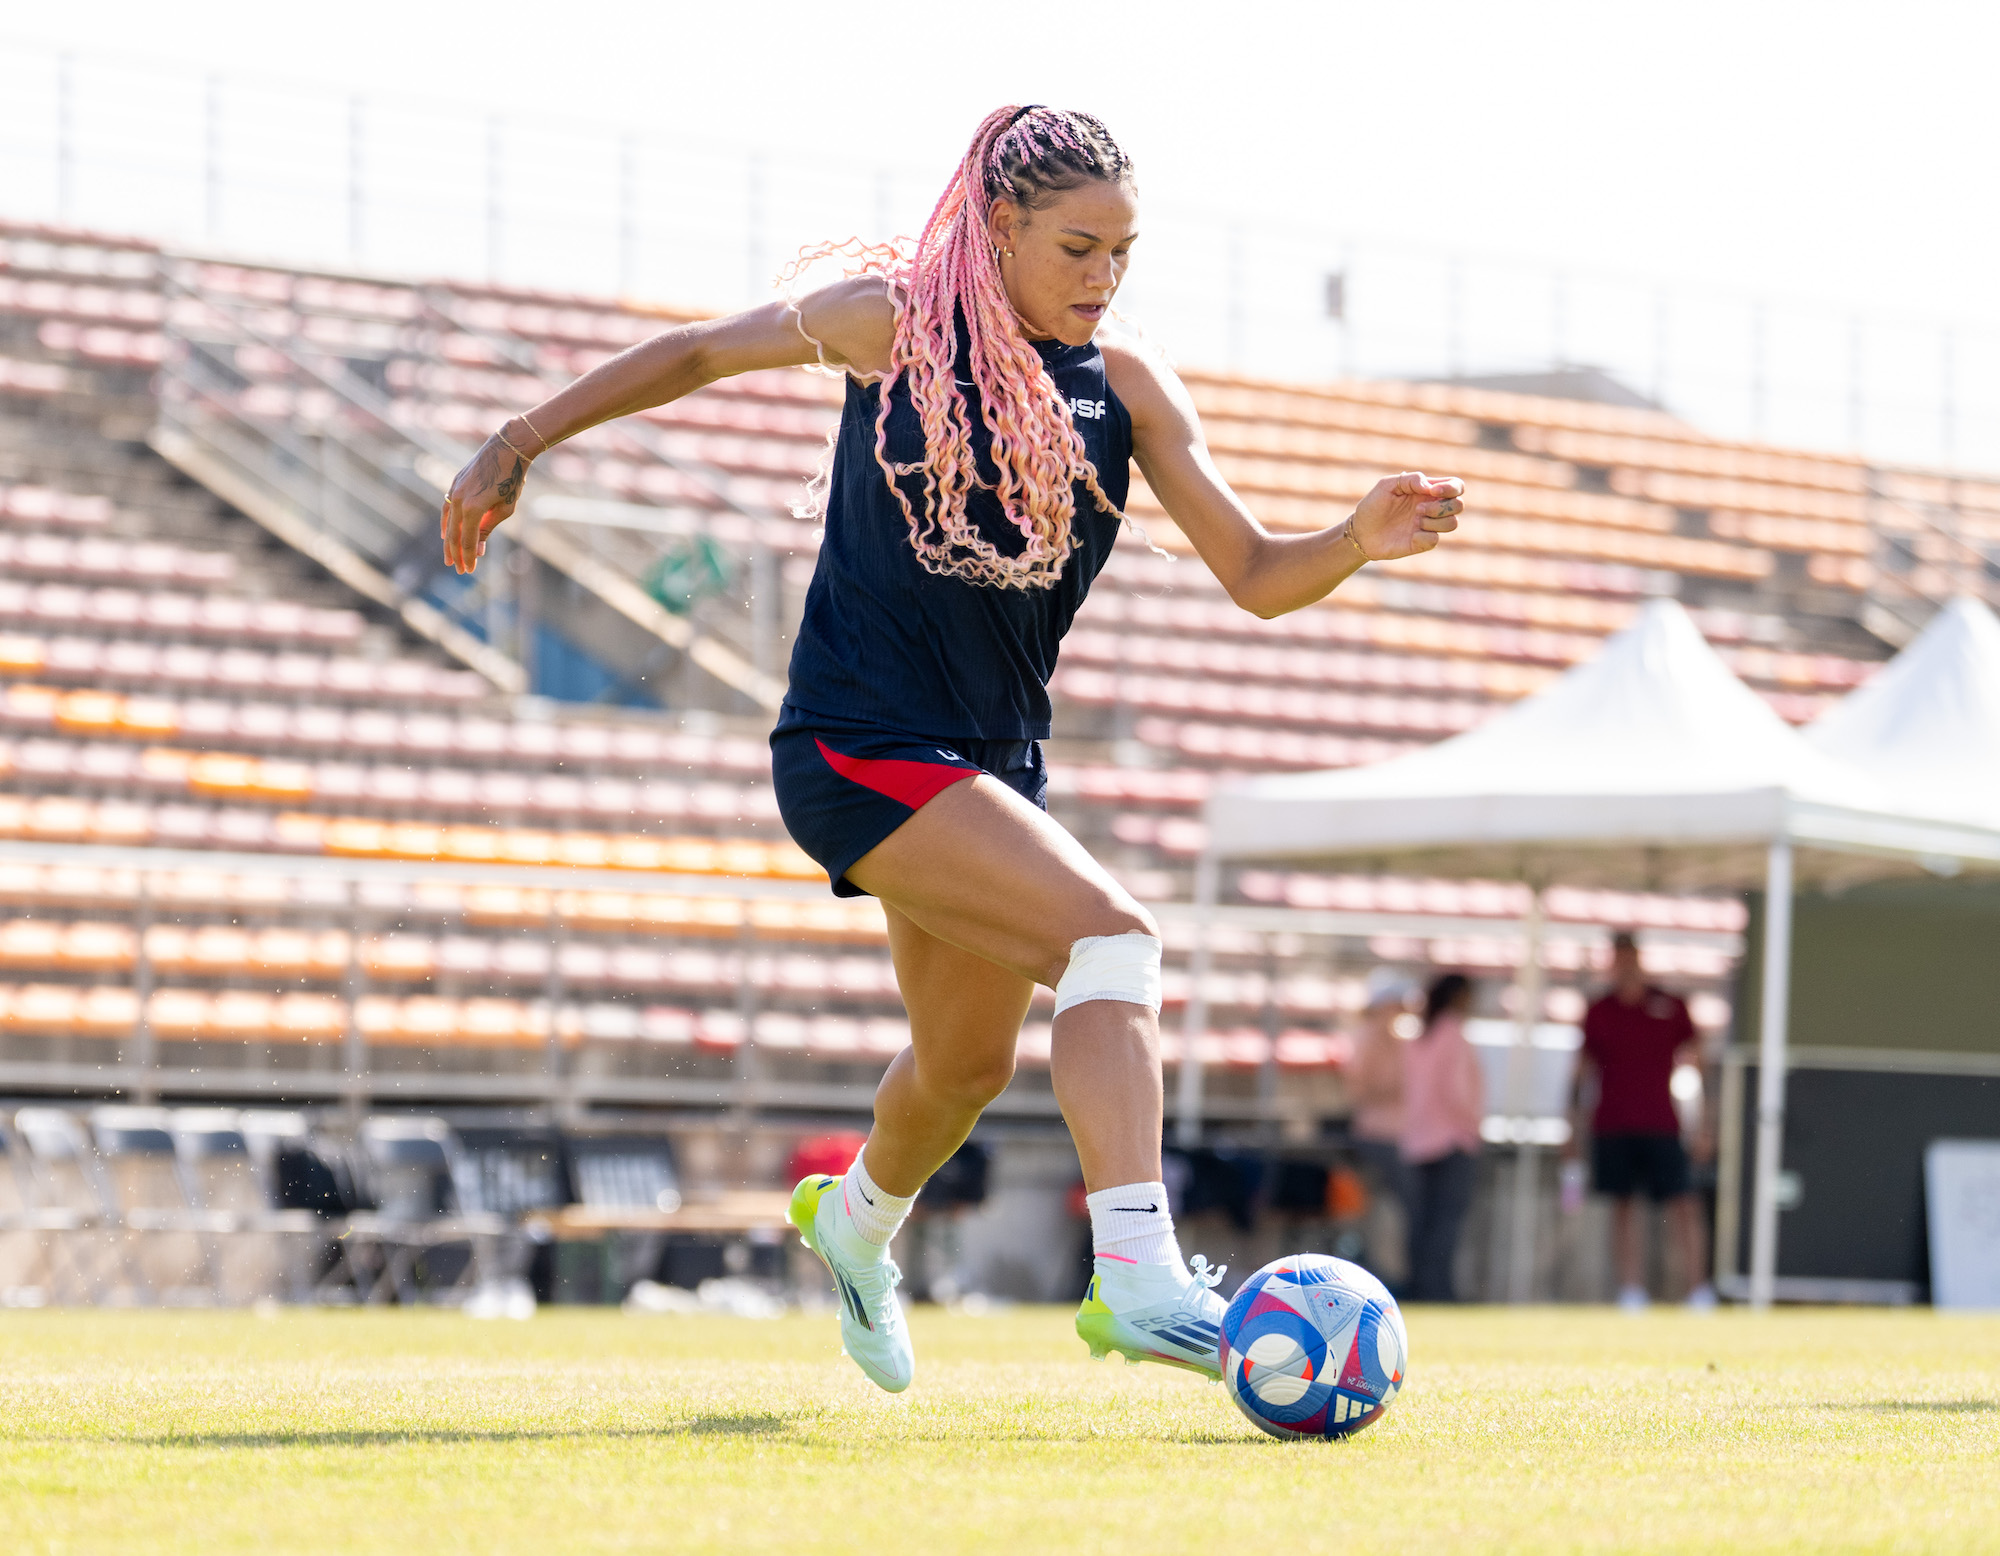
[[1386, 986]]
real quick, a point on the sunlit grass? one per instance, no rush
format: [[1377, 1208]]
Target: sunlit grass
[[588, 1431]]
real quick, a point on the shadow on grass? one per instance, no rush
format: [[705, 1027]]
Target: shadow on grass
[[1890, 1407], [755, 1425]]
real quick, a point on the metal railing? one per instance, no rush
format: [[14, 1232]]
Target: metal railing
[[330, 473], [759, 639], [1923, 559], [329, 467]]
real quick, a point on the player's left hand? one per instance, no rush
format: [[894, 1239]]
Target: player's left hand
[[1405, 514]]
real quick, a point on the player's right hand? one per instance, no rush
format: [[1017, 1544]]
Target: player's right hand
[[482, 496]]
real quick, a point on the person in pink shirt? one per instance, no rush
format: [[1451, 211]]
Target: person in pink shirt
[[1444, 1099]]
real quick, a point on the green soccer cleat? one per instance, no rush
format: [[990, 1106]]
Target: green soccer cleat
[[872, 1330], [1151, 1312]]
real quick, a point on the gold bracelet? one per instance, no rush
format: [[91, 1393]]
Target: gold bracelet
[[502, 436], [546, 445], [1355, 541]]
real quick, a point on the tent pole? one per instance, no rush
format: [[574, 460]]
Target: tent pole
[[1520, 1083], [1194, 1022], [1774, 1018]]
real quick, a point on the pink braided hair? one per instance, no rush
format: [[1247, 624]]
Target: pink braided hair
[[1020, 153]]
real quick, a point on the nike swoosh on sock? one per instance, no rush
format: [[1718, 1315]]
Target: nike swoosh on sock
[[1135, 1209]]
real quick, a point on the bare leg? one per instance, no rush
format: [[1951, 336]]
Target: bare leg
[[981, 870], [1692, 1236], [1625, 1241], [1106, 1067], [965, 1018]]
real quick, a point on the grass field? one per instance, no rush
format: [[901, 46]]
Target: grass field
[[587, 1431]]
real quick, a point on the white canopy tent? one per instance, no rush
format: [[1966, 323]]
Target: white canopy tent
[[1650, 767], [1929, 723]]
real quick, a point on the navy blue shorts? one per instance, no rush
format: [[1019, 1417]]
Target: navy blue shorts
[[843, 788], [1624, 1165]]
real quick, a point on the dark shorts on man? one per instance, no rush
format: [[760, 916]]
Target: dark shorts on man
[[1624, 1165]]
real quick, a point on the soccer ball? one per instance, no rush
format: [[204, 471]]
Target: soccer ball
[[1313, 1347]]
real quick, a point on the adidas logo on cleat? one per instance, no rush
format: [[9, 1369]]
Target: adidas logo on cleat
[[852, 1298]]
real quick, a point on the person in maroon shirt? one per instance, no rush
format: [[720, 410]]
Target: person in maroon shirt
[[1633, 1037]]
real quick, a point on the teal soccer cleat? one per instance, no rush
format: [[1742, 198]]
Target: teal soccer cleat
[[872, 1330], [1151, 1312]]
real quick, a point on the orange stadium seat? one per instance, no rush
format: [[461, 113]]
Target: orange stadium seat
[[521, 959], [42, 1007], [426, 1020], [243, 1014], [499, 1023], [307, 1018], [178, 1014], [106, 1012], [92, 947], [21, 655], [664, 914], [398, 957], [32, 943]]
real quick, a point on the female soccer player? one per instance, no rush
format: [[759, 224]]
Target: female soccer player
[[977, 478]]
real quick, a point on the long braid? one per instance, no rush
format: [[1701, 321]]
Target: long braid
[[1024, 154]]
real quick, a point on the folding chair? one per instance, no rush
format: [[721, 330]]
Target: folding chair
[[426, 1210], [72, 1211], [24, 1254], [264, 1254], [627, 1181], [299, 1174], [170, 1244], [624, 1172]]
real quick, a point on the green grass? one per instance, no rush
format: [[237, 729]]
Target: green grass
[[587, 1431]]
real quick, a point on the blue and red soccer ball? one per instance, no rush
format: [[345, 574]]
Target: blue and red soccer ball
[[1313, 1346]]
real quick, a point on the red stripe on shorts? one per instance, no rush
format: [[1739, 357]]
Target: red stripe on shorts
[[914, 784]]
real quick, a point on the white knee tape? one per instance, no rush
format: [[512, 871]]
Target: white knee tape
[[1111, 967]]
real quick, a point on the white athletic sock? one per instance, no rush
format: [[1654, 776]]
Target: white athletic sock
[[873, 1212], [1133, 1225]]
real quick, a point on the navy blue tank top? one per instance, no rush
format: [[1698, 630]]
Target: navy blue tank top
[[883, 641]]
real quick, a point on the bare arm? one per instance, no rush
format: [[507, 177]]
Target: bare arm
[[853, 319], [1694, 1052], [1472, 1087], [1377, 1076], [1266, 574], [1584, 1076]]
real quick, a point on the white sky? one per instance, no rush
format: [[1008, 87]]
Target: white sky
[[1836, 151]]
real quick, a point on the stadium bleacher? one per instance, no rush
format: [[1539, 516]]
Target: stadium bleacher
[[186, 705]]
